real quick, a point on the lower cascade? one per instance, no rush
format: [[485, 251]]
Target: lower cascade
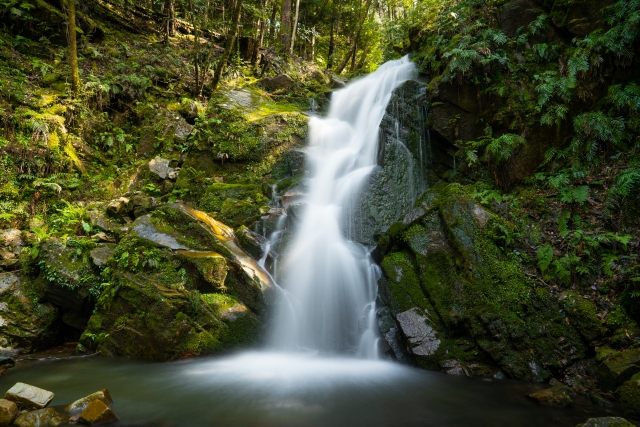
[[330, 281]]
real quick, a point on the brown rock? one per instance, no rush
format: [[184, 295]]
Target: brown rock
[[29, 397], [282, 81], [8, 411], [552, 397], [81, 404], [97, 413], [38, 418]]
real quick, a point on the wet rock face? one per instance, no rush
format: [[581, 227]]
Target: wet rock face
[[403, 154], [181, 286], [448, 279]]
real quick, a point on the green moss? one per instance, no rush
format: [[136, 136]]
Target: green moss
[[583, 315], [630, 398]]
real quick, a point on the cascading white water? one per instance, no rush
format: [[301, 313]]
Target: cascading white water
[[330, 281]]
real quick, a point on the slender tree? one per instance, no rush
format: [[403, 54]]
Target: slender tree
[[272, 23], [231, 39], [354, 41], [295, 27], [285, 25], [73, 47]]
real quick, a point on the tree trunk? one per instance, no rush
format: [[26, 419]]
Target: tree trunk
[[231, 38], [295, 27], [272, 25], [363, 58], [285, 25], [313, 46], [73, 47], [335, 24], [354, 42]]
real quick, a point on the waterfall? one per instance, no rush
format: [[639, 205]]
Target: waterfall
[[331, 281]]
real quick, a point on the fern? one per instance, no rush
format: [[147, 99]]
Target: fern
[[626, 189]]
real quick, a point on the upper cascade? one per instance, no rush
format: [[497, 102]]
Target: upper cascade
[[330, 281]]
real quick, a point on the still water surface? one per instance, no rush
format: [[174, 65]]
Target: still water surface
[[263, 389]]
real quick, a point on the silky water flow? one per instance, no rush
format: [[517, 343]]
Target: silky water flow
[[331, 281]]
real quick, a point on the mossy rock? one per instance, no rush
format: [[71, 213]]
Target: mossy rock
[[614, 370], [453, 258], [630, 397], [27, 324], [140, 317], [68, 279], [181, 286], [583, 315]]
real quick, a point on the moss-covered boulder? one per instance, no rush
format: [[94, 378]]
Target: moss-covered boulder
[[630, 396], [181, 286], [617, 367], [67, 277], [453, 262], [26, 324]]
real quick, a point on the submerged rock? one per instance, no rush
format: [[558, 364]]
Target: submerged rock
[[38, 418], [552, 397], [8, 411], [29, 397], [606, 422], [97, 412], [81, 404]]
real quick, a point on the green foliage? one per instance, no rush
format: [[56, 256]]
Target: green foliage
[[545, 255], [496, 150]]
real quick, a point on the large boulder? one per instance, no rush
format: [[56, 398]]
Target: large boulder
[[630, 396], [68, 279], [277, 83], [166, 127], [617, 368], [25, 323], [29, 397], [181, 286]]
